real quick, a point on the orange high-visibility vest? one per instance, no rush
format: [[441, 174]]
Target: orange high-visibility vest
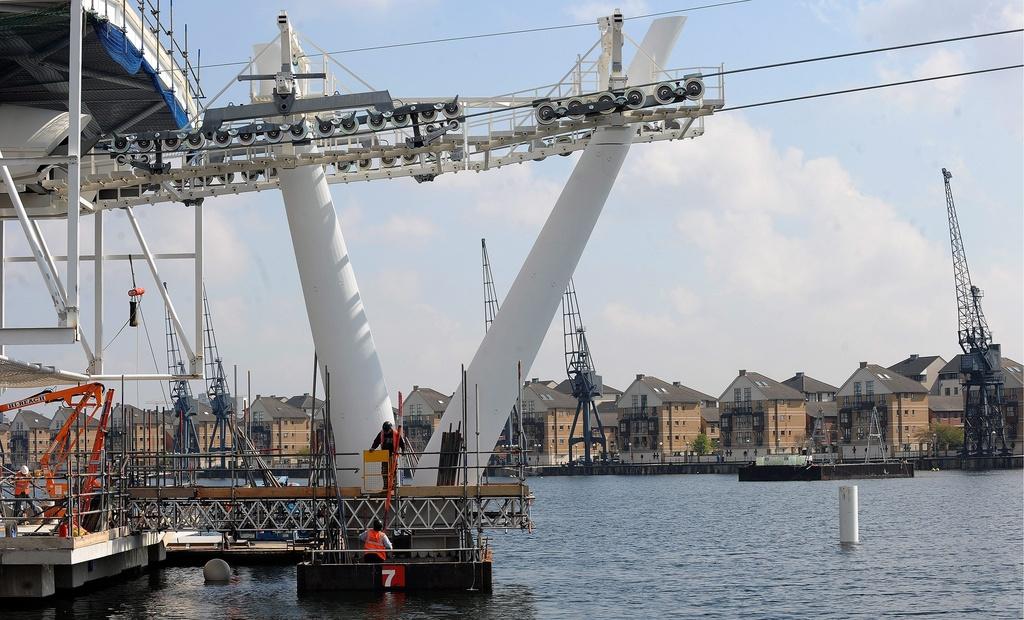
[[395, 441], [21, 485], [374, 544]]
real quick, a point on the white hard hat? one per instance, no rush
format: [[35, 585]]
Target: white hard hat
[[24, 469]]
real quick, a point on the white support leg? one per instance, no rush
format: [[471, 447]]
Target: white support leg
[[3, 280], [520, 326], [49, 276], [97, 364], [196, 360], [74, 157], [341, 331]]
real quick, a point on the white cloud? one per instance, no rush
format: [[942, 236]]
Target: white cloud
[[893, 22], [408, 227], [398, 227], [796, 268], [513, 194]]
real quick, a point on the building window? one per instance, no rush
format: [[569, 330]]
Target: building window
[[736, 395], [947, 391], [746, 395], [869, 387], [856, 389]]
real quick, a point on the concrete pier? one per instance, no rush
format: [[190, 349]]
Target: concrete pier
[[34, 567]]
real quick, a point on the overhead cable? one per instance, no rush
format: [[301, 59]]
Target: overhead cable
[[872, 87], [528, 30], [863, 52]]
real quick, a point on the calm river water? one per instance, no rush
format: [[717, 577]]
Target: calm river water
[[945, 544]]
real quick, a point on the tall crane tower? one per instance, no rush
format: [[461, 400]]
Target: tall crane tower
[[491, 307], [981, 374], [217, 388], [586, 383], [186, 440]]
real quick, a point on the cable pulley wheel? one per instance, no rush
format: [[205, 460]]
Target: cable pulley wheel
[[635, 98], [452, 109], [606, 99], [664, 93], [694, 89], [546, 113]]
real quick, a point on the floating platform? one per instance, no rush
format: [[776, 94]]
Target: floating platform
[[35, 567], [433, 576], [817, 471]]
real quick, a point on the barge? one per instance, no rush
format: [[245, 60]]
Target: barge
[[795, 467]]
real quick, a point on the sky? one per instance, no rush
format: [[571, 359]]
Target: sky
[[807, 236]]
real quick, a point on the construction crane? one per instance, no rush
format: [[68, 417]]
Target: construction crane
[[88, 399], [981, 374], [491, 307], [186, 440], [223, 406], [585, 382], [217, 388]]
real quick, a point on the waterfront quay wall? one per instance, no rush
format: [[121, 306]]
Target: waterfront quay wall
[[635, 469], [975, 463], [971, 463]]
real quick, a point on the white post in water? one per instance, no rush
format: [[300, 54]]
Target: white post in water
[[849, 529]]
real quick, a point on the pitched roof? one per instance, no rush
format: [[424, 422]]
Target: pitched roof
[[32, 420], [946, 404], [305, 401], [674, 392], [565, 387], [710, 414], [808, 385], [550, 395], [1012, 374], [437, 401], [62, 413], [829, 409], [914, 365], [278, 409], [772, 389], [896, 382]]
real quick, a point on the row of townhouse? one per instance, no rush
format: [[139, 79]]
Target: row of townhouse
[[656, 421], [279, 427]]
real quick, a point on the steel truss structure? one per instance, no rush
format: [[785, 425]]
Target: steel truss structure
[[28, 207], [420, 137], [428, 514]]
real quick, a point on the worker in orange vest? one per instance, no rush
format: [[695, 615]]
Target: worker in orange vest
[[23, 491], [389, 439], [375, 544]]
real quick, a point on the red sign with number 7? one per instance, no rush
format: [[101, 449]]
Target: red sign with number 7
[[392, 576]]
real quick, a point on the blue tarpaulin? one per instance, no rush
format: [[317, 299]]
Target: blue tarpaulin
[[122, 51]]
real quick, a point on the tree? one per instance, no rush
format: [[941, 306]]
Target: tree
[[701, 445], [948, 436]]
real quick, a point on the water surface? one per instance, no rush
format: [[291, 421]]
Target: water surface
[[946, 544]]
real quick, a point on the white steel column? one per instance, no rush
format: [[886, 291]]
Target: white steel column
[[3, 281], [520, 326], [197, 360], [74, 158], [341, 332], [97, 262]]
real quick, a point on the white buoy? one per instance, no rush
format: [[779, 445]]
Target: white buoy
[[216, 571], [849, 528]]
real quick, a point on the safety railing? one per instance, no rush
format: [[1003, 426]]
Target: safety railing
[[480, 553]]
